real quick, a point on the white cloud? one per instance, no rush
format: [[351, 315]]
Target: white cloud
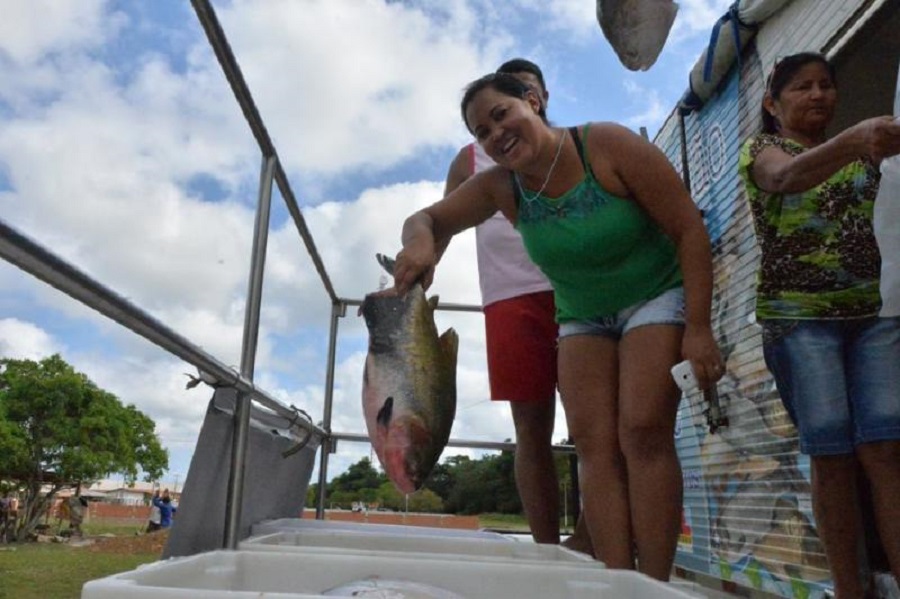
[[32, 29], [696, 16], [360, 84], [25, 341], [651, 111]]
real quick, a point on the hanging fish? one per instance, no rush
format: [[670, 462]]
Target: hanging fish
[[409, 383], [636, 29]]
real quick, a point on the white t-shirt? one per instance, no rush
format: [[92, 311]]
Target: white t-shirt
[[504, 268]]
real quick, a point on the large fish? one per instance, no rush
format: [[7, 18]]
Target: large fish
[[409, 383], [636, 29]]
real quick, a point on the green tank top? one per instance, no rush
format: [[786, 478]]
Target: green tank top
[[601, 252]]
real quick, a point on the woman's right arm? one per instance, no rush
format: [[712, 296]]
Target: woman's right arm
[[471, 203], [776, 171]]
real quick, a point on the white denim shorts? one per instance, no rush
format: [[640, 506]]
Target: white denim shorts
[[666, 308]]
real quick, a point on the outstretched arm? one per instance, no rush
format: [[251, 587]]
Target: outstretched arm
[[469, 204], [776, 171]]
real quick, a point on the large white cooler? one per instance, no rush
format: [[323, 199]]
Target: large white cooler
[[422, 547], [256, 574], [292, 524]]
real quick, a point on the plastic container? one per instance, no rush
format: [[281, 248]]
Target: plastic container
[[293, 524], [255, 574], [423, 547]]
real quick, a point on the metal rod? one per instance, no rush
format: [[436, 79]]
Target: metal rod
[[216, 36], [257, 269], [36, 260], [440, 306], [235, 497], [685, 166], [337, 311], [467, 443]]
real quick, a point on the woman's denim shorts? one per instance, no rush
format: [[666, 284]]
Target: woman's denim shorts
[[666, 308], [838, 379]]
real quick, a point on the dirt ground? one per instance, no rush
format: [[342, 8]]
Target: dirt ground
[[151, 543]]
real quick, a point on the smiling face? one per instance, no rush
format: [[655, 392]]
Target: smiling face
[[805, 106], [507, 127]]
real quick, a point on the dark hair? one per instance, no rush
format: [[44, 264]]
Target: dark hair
[[502, 82], [166, 499], [521, 65], [782, 73]]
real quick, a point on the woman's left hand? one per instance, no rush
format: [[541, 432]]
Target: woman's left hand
[[700, 347]]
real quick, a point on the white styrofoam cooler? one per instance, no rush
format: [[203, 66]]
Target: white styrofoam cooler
[[253, 574], [423, 547], [291, 524]]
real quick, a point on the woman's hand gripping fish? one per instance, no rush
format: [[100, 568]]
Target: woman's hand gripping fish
[[409, 383]]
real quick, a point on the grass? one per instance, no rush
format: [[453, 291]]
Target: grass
[[514, 523], [58, 571]]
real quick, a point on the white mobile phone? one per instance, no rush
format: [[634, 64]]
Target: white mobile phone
[[684, 376]]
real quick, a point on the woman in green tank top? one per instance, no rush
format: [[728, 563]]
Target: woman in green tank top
[[606, 217]]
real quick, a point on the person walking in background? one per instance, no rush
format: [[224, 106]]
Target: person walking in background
[[166, 509], [155, 517], [609, 222], [835, 363], [520, 332]]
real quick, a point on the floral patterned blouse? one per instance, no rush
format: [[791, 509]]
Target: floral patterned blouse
[[819, 256]]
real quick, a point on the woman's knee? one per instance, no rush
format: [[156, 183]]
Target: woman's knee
[[879, 457], [646, 441]]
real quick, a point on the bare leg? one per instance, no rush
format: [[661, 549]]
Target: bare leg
[[581, 538], [648, 402], [536, 477], [881, 462], [837, 518], [588, 383]]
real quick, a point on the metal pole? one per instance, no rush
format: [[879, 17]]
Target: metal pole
[[338, 310], [39, 262], [685, 167], [234, 500], [219, 42]]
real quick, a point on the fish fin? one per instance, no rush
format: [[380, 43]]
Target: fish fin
[[433, 302], [386, 262], [384, 414], [450, 344]]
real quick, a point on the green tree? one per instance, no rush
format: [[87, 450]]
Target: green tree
[[425, 501], [59, 430], [359, 476]]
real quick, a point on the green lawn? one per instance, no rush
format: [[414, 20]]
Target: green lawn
[[57, 571], [513, 523]]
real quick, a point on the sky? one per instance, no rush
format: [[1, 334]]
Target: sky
[[123, 151]]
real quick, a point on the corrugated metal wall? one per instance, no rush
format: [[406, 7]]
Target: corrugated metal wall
[[747, 511]]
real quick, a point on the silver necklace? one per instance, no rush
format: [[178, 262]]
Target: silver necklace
[[522, 189]]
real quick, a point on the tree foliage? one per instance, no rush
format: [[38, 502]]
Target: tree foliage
[[58, 429], [458, 485]]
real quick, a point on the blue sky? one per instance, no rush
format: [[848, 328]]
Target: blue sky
[[123, 150]]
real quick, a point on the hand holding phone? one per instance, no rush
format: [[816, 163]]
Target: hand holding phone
[[684, 376]]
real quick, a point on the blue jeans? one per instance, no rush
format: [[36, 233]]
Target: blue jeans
[[839, 380]]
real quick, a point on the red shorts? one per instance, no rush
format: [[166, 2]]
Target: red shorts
[[521, 347]]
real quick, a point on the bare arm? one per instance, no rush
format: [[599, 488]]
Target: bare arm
[[469, 204], [630, 166], [774, 170]]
